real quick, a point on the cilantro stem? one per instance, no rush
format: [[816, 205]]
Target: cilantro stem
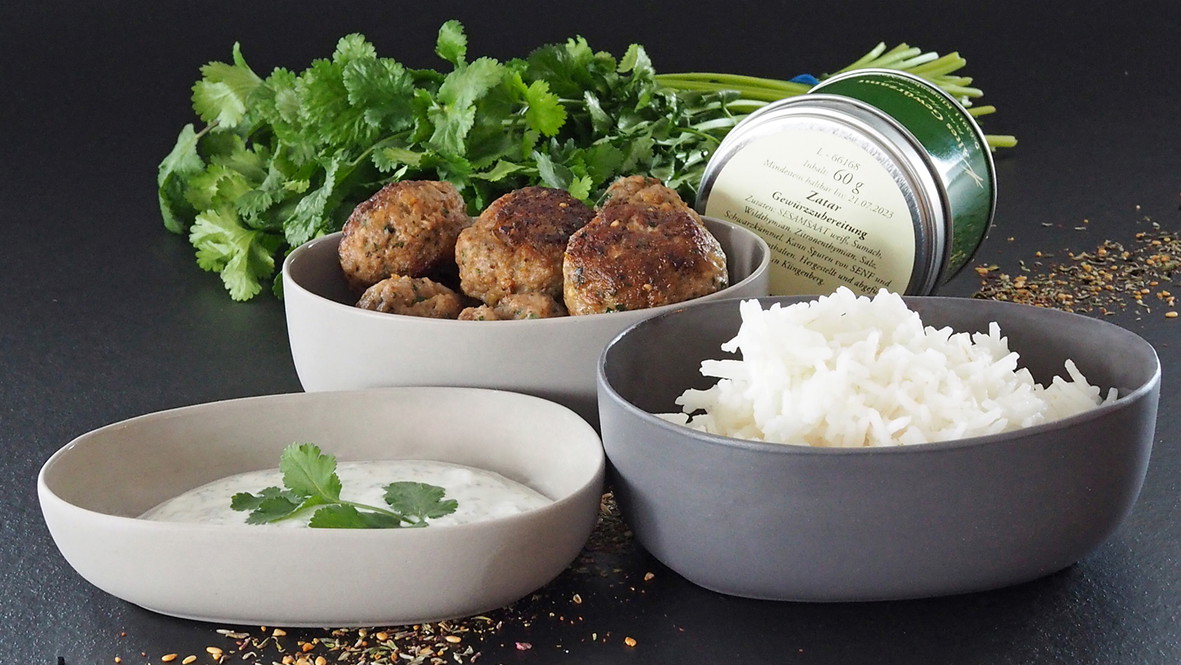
[[751, 87], [703, 131], [1000, 140], [754, 92]]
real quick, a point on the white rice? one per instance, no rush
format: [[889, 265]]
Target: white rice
[[847, 370]]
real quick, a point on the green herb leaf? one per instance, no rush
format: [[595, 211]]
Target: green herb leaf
[[545, 113], [345, 516], [220, 96], [353, 47], [269, 505], [248, 501], [172, 180], [311, 215], [389, 158], [503, 169], [455, 111], [242, 256], [452, 43], [418, 502], [552, 173], [384, 92], [309, 472]]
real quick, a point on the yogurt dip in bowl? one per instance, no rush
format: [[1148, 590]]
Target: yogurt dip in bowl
[[95, 490]]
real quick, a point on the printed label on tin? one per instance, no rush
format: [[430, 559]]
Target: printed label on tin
[[831, 212]]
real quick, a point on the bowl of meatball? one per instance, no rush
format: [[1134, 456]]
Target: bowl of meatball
[[414, 291]]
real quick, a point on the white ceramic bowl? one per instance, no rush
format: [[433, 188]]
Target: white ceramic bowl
[[93, 490], [337, 346]]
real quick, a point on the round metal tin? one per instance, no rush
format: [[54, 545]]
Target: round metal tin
[[874, 179]]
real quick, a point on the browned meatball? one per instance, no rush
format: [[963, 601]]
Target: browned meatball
[[516, 244], [406, 228], [516, 306], [634, 257], [413, 296], [643, 190]]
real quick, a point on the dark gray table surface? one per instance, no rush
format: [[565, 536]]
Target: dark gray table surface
[[104, 315]]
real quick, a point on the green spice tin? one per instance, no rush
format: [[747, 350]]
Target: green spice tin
[[873, 179]]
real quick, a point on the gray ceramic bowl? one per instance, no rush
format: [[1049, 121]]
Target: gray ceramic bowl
[[336, 346], [94, 489], [824, 524]]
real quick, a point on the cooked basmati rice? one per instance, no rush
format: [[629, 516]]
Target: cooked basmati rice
[[848, 370]]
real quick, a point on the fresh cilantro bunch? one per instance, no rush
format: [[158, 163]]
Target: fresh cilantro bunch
[[283, 159], [311, 484], [280, 160]]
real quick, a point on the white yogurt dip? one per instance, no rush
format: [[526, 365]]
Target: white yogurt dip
[[481, 494]]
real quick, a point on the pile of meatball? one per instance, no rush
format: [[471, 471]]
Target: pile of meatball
[[536, 252]]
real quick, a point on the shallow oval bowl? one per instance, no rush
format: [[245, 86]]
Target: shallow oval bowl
[[790, 522], [337, 346], [93, 490]]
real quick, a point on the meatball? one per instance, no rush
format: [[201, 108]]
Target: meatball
[[407, 228], [634, 257], [516, 306], [412, 296], [643, 190], [516, 244]]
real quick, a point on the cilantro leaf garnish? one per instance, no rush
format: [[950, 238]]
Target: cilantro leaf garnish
[[343, 516], [419, 502], [310, 473], [269, 505], [312, 484]]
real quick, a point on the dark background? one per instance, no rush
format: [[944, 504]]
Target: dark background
[[104, 315]]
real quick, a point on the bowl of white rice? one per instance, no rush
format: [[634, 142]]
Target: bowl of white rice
[[849, 448]]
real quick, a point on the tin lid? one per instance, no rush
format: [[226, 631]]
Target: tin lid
[[842, 192]]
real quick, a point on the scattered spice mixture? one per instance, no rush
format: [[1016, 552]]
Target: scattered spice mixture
[[1115, 276], [599, 567]]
